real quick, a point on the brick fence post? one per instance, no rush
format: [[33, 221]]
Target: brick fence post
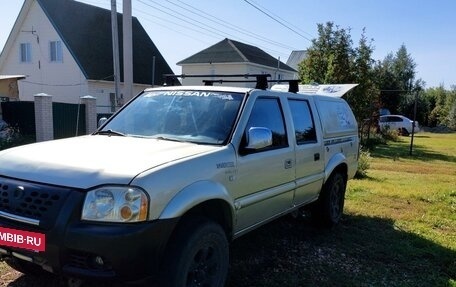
[[44, 118], [90, 113]]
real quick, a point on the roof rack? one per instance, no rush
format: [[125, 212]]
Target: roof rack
[[261, 80]]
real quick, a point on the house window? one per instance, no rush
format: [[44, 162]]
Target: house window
[[55, 49], [26, 52]]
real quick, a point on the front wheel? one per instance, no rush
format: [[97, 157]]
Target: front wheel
[[197, 256], [330, 205]]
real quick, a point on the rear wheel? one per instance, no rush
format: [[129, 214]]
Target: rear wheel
[[197, 256], [405, 132], [330, 205]]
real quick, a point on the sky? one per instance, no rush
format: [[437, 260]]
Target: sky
[[181, 28]]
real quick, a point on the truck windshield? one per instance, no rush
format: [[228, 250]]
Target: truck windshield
[[205, 117]]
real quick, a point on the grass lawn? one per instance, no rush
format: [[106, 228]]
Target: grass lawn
[[399, 229]]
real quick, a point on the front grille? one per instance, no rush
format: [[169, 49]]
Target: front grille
[[30, 200]]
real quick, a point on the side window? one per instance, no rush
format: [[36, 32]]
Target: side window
[[393, 119], [25, 52], [303, 122], [267, 113], [55, 48]]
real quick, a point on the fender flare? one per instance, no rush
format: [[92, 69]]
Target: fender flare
[[333, 163], [193, 195]]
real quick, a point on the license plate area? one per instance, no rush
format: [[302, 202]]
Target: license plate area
[[27, 240]]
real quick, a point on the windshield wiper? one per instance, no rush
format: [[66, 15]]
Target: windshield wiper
[[109, 133], [168, 139]]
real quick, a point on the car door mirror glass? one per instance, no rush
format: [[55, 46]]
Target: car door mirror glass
[[258, 138]]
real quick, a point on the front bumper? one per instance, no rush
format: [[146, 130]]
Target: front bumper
[[89, 250]]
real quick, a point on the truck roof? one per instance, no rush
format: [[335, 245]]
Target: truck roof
[[202, 88]]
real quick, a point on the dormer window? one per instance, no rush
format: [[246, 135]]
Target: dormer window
[[26, 53], [55, 48]]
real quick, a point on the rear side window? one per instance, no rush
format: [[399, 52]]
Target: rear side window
[[303, 122], [267, 113]]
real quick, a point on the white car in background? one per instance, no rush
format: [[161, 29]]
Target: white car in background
[[400, 123]]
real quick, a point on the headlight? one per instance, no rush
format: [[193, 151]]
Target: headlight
[[115, 204]]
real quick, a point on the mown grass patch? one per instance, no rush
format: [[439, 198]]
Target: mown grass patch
[[417, 191]]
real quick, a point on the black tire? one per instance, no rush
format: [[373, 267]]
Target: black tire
[[329, 208], [198, 255], [404, 132]]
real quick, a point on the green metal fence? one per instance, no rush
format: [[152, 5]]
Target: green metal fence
[[69, 119]]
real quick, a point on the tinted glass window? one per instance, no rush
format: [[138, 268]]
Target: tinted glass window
[[303, 122], [267, 113]]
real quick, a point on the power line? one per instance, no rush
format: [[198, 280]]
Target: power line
[[229, 25], [174, 23], [192, 24], [102, 4], [199, 24], [284, 20], [273, 18]]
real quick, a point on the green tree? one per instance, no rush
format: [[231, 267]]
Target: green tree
[[333, 59], [404, 69], [329, 59], [387, 83], [452, 117], [396, 78], [438, 112], [450, 109], [363, 99]]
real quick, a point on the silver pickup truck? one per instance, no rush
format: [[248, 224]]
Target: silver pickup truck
[[166, 183]]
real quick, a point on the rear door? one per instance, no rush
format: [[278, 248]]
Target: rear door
[[309, 154]]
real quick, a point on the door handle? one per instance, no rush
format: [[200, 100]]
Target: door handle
[[288, 163], [316, 156]]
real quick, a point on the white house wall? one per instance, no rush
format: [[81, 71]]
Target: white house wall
[[63, 80], [231, 68], [102, 90]]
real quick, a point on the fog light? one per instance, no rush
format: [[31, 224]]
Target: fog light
[[99, 261]]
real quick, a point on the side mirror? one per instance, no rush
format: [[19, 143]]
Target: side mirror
[[258, 138], [101, 121]]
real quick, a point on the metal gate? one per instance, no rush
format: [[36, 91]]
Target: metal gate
[[69, 120]]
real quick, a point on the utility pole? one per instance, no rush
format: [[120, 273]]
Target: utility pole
[[127, 50], [153, 71], [115, 52]]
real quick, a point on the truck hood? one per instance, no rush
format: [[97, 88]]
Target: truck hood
[[88, 161]]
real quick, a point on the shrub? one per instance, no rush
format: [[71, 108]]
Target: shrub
[[363, 163], [390, 135], [10, 137]]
